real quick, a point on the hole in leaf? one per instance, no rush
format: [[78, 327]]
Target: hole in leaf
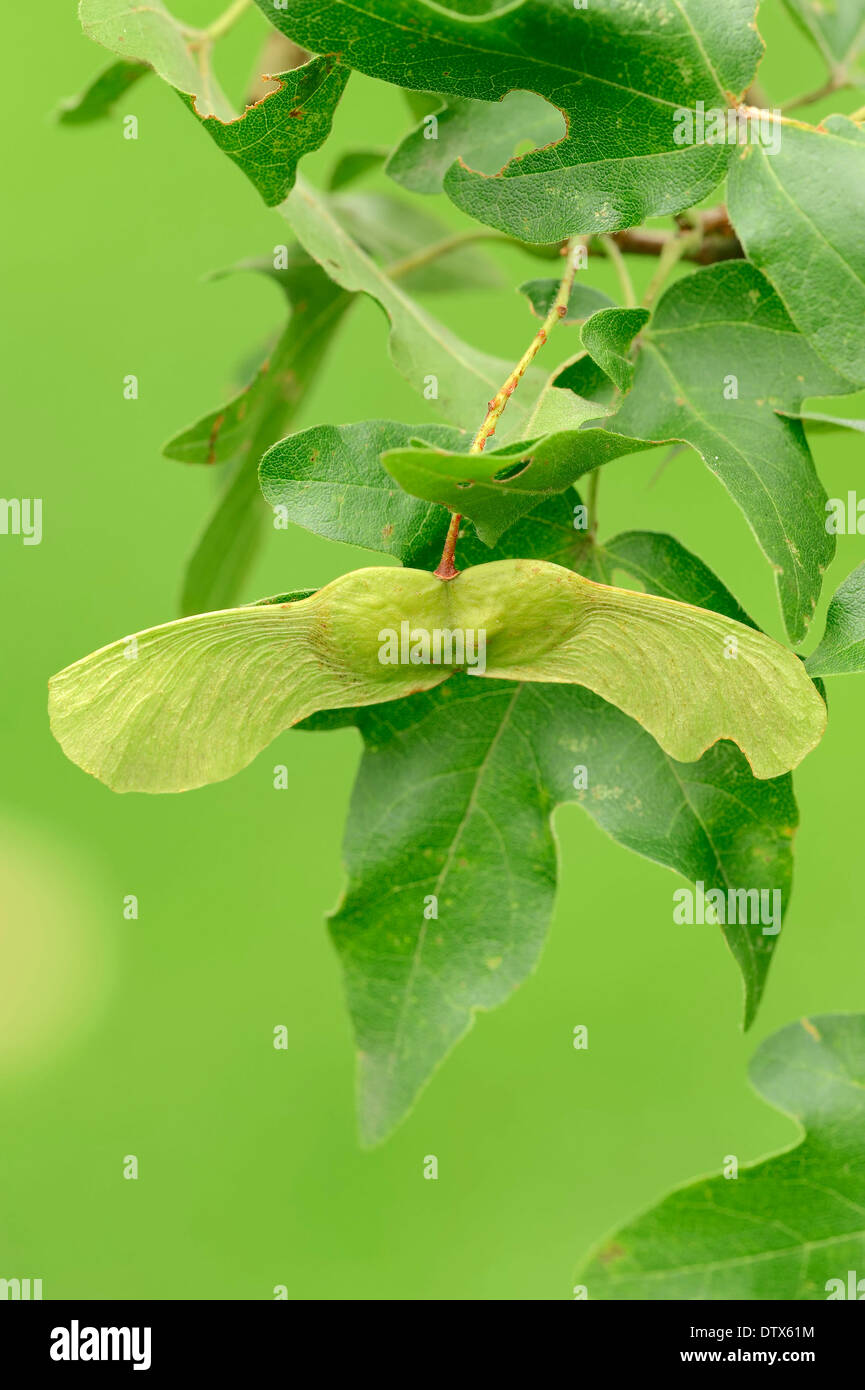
[[513, 470]]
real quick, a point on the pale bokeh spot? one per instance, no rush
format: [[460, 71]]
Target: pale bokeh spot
[[56, 957]]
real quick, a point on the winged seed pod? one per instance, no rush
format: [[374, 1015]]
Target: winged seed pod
[[202, 696]]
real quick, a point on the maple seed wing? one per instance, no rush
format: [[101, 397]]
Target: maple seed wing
[[194, 701]]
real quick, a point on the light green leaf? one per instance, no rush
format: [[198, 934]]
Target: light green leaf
[[243, 429], [618, 72], [352, 165], [836, 26], [150, 34], [790, 1224], [720, 358], [240, 431], [396, 233], [421, 347], [483, 135], [842, 651], [99, 98], [813, 420], [799, 214], [194, 701], [608, 336], [271, 136]]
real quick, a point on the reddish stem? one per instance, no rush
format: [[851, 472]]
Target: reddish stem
[[446, 567]]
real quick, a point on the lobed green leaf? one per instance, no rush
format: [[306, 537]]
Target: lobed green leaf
[[273, 134], [427, 354], [720, 358], [482, 135], [618, 72], [329, 480], [463, 781], [151, 34], [789, 1227], [799, 211]]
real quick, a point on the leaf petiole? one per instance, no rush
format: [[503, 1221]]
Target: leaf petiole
[[225, 21], [669, 258], [626, 284], [427, 254]]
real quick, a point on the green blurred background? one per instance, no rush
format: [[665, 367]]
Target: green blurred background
[[154, 1037]]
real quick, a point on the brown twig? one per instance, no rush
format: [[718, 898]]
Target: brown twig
[[718, 243]]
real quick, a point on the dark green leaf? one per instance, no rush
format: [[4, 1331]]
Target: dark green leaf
[[799, 213], [98, 99], [462, 781], [453, 799], [497, 486], [294, 596], [665, 567], [567, 438], [786, 1228], [397, 234], [608, 335], [717, 362], [618, 72], [239, 432], [269, 139], [330, 480]]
